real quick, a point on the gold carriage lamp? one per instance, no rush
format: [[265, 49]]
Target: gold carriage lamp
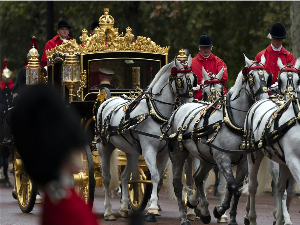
[[70, 72], [33, 70]]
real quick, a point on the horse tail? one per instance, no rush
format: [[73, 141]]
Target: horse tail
[[114, 170], [263, 175]]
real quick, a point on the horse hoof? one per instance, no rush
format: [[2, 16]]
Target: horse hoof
[[205, 219], [123, 213], [150, 218], [186, 223], [223, 219], [246, 221], [153, 211], [216, 213], [110, 217], [190, 205], [191, 217]]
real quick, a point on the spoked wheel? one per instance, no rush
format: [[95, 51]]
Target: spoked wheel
[[26, 189], [84, 181], [139, 190]]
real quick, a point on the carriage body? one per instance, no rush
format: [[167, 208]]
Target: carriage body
[[106, 64]]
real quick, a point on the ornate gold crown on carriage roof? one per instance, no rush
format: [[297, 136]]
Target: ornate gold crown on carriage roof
[[108, 39]]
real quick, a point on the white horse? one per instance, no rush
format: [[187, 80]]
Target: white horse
[[212, 87], [272, 129], [208, 132], [133, 126]]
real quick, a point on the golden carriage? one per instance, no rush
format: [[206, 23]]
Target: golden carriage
[[104, 65]]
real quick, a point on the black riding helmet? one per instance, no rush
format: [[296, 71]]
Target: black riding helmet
[[278, 31], [205, 40]]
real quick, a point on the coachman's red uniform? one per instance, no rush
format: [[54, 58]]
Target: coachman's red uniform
[[211, 64], [272, 57], [55, 41]]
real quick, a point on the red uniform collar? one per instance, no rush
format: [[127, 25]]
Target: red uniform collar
[[57, 37], [10, 84], [200, 57], [282, 51]]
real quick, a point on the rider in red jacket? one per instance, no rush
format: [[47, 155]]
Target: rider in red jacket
[[209, 61], [275, 50], [63, 28]]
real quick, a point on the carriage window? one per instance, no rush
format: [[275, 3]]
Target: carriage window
[[122, 73]]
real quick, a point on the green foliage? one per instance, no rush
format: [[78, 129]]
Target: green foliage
[[236, 27]]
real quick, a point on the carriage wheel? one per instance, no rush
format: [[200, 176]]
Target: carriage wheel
[[140, 190], [84, 181], [26, 190]]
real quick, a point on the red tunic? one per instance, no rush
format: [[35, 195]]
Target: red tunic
[[55, 41], [272, 57], [72, 210], [211, 64]]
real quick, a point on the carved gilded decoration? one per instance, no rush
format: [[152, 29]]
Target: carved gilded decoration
[[108, 39]]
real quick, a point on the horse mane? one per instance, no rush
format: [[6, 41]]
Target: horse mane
[[237, 85], [160, 73]]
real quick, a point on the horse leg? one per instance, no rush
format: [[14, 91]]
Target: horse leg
[[125, 177], [241, 172], [178, 158], [200, 178], [216, 171], [287, 198], [105, 154], [188, 168], [149, 154], [162, 160], [222, 193], [253, 183], [224, 164]]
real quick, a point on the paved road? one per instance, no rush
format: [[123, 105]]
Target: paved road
[[10, 214]]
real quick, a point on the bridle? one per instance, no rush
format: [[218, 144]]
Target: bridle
[[179, 82], [290, 69], [248, 76], [215, 93]]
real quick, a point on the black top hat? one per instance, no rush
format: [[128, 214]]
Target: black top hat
[[45, 132], [63, 23], [205, 40], [277, 31], [94, 24]]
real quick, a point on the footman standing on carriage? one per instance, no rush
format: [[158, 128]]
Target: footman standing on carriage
[[63, 29], [275, 50], [6, 95]]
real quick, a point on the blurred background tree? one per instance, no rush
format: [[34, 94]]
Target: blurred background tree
[[235, 27]]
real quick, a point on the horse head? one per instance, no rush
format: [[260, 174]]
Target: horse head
[[288, 77], [212, 85], [182, 80], [256, 79]]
